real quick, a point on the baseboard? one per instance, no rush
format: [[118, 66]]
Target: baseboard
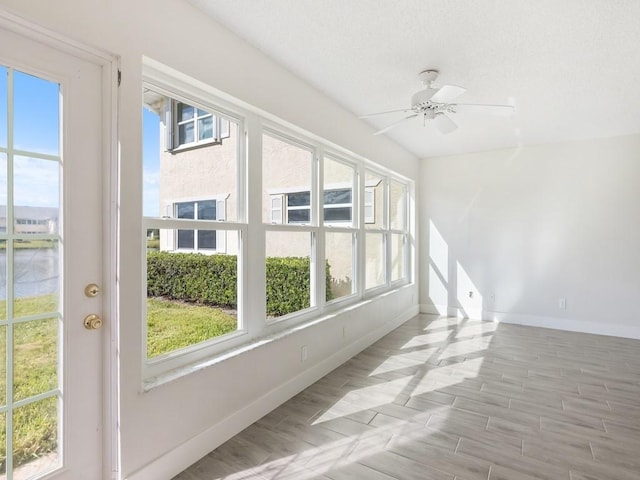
[[571, 325], [189, 452], [445, 310]]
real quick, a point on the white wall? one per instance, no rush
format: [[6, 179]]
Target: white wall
[[531, 226], [164, 430]]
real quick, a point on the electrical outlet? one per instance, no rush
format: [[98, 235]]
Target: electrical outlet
[[470, 294], [493, 297], [304, 353], [562, 303]]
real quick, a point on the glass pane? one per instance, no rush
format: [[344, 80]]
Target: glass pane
[[35, 438], [374, 254], [339, 252], [398, 205], [3, 280], [190, 298], [151, 156], [203, 113], [185, 239], [3, 371], [207, 210], [35, 357], [185, 210], [207, 172], [398, 264], [342, 214], [374, 201], [3, 444], [300, 199], [285, 166], [299, 216], [36, 113], [3, 192], [333, 197], [36, 195], [4, 72], [36, 277], [206, 239], [185, 133], [185, 112], [288, 272], [205, 128]]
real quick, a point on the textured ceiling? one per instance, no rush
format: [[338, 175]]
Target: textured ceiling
[[571, 67]]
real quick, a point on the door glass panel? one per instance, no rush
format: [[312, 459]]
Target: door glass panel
[[3, 444], [36, 277], [36, 114], [30, 275], [35, 438], [3, 375], [36, 184], [3, 106], [35, 357]]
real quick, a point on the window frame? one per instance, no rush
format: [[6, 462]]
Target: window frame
[[252, 123]]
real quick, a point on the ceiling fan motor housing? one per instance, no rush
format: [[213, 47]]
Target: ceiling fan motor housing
[[422, 99]]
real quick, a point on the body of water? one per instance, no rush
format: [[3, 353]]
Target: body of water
[[35, 272]]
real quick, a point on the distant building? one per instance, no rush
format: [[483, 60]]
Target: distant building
[[31, 220]]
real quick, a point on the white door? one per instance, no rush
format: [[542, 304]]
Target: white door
[[51, 247]]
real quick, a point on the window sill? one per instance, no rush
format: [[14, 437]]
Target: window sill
[[161, 379]]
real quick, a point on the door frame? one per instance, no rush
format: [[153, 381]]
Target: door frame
[[109, 63]]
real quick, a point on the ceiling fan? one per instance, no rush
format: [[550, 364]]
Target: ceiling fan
[[434, 103]]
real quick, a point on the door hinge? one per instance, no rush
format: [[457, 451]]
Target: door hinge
[[119, 77]]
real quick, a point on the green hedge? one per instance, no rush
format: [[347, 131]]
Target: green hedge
[[212, 280]]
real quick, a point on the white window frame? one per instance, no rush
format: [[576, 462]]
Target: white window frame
[[252, 123]]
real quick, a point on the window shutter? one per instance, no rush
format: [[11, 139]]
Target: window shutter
[[369, 205], [221, 210], [169, 127], [276, 208]]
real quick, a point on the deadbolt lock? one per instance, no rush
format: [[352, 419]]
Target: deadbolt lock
[[91, 290], [92, 322]]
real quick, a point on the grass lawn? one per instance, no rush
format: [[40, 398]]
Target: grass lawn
[[172, 325]]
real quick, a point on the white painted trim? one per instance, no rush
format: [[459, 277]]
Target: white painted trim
[[568, 324], [173, 462]]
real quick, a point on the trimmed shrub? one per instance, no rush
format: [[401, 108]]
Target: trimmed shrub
[[213, 279]]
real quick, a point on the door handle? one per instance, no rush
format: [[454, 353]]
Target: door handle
[[92, 322]]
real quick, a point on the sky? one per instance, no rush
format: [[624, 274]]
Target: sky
[[36, 126]]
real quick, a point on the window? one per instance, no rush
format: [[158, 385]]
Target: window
[[320, 230], [194, 126], [193, 231], [338, 206], [199, 240]]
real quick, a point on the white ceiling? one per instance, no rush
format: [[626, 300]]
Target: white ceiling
[[571, 67]]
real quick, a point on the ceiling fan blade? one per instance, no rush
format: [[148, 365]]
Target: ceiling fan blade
[[447, 93], [389, 127], [444, 124], [384, 113], [502, 110]]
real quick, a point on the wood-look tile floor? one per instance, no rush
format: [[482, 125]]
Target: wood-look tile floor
[[446, 398]]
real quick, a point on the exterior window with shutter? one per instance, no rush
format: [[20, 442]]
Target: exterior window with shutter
[[193, 127], [200, 240]]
